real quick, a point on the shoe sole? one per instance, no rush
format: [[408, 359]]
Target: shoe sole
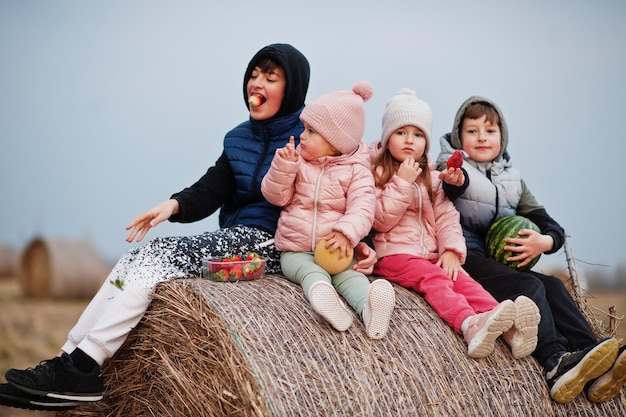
[[71, 396], [608, 385], [527, 318], [326, 302], [11, 396], [76, 397], [591, 366], [482, 344], [381, 300]]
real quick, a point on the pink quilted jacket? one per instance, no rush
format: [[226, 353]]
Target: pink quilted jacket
[[334, 193], [408, 222]]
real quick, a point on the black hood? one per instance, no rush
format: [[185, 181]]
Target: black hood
[[297, 73]]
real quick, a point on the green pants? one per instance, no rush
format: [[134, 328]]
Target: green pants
[[300, 268]]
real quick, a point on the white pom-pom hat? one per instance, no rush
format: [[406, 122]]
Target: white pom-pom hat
[[339, 117]]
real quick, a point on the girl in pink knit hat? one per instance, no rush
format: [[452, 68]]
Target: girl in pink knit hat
[[418, 237], [326, 187]]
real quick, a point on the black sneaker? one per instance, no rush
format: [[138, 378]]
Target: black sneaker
[[58, 378], [574, 369], [16, 398]]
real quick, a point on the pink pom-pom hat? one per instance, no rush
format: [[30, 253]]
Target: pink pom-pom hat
[[339, 117]]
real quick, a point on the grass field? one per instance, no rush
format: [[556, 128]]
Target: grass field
[[33, 330], [602, 301]]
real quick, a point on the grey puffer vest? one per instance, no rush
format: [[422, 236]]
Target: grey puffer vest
[[494, 192]]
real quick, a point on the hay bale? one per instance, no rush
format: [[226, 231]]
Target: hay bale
[[257, 349], [61, 268], [8, 261]]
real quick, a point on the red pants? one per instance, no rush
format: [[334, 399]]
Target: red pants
[[454, 301]]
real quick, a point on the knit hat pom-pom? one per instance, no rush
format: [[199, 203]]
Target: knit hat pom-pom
[[364, 88], [408, 92]]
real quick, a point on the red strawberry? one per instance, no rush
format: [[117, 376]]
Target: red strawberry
[[222, 275], [249, 270], [236, 272], [456, 160]]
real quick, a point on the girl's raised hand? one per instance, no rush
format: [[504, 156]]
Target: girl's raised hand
[[289, 152], [409, 170]]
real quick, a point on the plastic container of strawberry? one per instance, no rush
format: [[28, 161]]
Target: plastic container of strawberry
[[245, 267]]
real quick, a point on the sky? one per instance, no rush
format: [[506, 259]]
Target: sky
[[109, 107]]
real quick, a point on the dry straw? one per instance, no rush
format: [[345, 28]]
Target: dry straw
[[257, 349]]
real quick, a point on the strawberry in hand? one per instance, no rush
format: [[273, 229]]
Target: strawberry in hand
[[456, 160]]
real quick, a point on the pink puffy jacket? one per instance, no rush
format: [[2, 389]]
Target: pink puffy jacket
[[408, 222], [333, 193]]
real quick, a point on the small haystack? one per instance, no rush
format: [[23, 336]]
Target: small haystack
[[61, 268], [8, 261], [257, 349]]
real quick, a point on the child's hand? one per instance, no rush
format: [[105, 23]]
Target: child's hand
[[151, 218], [452, 176], [450, 263], [409, 170], [528, 248], [337, 241], [289, 152], [366, 258]]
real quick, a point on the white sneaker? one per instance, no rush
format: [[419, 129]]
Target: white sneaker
[[326, 302], [485, 328], [379, 304], [522, 337]]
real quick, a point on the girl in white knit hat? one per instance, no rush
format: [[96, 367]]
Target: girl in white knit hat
[[418, 237], [327, 190]]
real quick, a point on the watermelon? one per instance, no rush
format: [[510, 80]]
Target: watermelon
[[508, 226]]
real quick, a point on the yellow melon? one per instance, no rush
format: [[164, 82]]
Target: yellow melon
[[330, 260]]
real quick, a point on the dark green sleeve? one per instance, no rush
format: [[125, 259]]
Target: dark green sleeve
[[531, 209], [527, 202]]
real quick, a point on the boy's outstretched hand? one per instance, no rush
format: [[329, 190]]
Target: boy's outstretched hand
[[151, 218], [453, 176], [289, 152]]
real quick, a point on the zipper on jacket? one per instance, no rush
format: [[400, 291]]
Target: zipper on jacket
[[266, 145], [253, 180], [419, 218], [317, 191], [495, 214]]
